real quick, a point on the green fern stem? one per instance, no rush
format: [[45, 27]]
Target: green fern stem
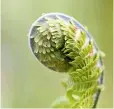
[[64, 47]]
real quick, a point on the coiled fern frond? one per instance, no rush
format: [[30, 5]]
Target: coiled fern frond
[[62, 44]]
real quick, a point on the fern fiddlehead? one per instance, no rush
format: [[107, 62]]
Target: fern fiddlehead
[[62, 44]]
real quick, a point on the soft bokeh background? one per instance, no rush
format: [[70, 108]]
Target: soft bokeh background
[[26, 82]]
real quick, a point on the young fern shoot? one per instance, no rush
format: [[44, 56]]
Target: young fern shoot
[[62, 44]]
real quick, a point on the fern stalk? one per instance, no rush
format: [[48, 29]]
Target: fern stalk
[[62, 44]]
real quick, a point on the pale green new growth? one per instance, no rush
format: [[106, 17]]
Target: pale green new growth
[[61, 46]]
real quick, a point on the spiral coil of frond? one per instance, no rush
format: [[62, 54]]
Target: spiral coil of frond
[[62, 46]]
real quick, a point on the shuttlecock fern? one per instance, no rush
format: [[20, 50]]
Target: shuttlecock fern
[[63, 46]]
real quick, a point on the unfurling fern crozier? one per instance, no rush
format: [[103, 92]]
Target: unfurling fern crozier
[[62, 44]]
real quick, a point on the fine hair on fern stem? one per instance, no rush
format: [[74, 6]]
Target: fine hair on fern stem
[[62, 44]]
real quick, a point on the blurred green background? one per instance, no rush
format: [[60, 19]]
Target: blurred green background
[[25, 81]]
